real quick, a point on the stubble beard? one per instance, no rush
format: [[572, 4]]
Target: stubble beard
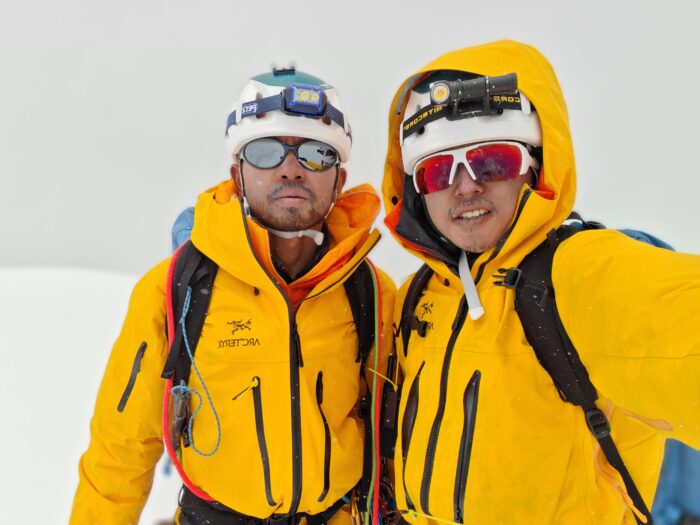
[[290, 218]]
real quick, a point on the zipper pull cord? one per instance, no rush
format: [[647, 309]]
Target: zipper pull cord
[[185, 309], [253, 384], [385, 378]]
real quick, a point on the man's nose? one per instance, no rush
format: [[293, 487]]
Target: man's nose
[[290, 167], [464, 184]]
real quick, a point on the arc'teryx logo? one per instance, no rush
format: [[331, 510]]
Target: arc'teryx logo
[[426, 308], [238, 326]]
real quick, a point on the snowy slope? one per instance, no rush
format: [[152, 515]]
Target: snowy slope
[[57, 328]]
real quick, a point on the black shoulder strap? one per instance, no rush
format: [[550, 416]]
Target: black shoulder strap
[[536, 305], [359, 289], [196, 271], [409, 321]]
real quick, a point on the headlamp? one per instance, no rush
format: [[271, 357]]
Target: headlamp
[[304, 99]]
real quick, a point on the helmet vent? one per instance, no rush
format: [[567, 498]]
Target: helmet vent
[[326, 120]]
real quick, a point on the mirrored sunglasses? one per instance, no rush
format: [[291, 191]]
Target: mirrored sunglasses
[[485, 162]]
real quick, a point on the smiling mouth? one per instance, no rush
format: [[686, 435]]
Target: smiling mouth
[[471, 215]]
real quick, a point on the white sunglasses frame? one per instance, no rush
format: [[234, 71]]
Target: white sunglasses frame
[[459, 156]]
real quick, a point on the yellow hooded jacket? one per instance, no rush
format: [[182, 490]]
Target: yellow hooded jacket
[[631, 310], [242, 367]]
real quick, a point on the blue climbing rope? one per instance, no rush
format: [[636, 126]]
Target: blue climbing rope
[[185, 388]]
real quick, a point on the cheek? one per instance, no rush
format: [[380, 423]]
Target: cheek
[[438, 208]]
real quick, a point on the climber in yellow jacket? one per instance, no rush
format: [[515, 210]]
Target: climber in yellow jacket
[[277, 370], [475, 178]]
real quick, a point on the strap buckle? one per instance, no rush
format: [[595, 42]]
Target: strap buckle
[[598, 423], [283, 519], [508, 277]]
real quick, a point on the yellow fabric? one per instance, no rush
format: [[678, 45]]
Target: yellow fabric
[[631, 311], [117, 469]]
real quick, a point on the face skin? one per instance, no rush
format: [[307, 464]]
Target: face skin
[[289, 197], [481, 233]]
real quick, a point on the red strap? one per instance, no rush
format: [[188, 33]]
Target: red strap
[[169, 384]]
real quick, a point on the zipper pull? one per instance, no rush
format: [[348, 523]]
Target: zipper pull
[[254, 384]]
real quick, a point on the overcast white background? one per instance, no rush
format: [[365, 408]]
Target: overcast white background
[[112, 119]]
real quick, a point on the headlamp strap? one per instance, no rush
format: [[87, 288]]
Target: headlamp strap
[[297, 100], [434, 112]]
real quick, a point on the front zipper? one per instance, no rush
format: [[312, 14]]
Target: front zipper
[[260, 429], [471, 398], [435, 430], [296, 361], [504, 237], [327, 446], [135, 369], [409, 419]]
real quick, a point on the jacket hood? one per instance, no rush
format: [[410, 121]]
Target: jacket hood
[[241, 246], [540, 210]]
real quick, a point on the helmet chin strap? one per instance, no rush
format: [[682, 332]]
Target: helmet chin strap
[[314, 235]]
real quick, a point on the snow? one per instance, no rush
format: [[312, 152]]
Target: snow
[[57, 327]]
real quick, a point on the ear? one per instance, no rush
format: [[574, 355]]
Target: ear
[[236, 175], [342, 178]]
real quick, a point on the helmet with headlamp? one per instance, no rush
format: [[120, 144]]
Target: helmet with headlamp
[[447, 109], [287, 102]]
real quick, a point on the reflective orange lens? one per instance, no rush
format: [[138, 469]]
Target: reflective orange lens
[[433, 174], [493, 162]]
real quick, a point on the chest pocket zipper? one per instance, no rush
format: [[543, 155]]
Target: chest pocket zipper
[[409, 420], [327, 431], [260, 430], [471, 397]]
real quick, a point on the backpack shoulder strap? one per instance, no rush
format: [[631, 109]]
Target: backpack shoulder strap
[[359, 289], [535, 303], [190, 269], [409, 321]]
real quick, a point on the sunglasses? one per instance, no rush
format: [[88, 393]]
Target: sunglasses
[[267, 153], [485, 162]]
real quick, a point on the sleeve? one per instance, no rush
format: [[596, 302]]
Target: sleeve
[[182, 229], [633, 313], [116, 471]]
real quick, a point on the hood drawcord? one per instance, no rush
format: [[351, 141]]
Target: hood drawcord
[[475, 308], [314, 235]]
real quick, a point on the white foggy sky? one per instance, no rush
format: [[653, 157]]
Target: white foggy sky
[[112, 113]]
